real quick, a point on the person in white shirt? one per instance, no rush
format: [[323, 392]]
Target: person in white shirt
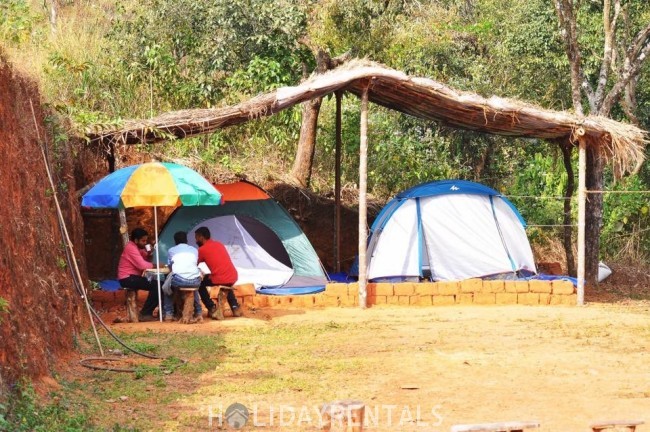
[[182, 261]]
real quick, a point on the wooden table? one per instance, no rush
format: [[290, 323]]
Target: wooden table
[[512, 426], [616, 424]]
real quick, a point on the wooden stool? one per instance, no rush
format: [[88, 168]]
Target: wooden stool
[[131, 306], [186, 295], [615, 424], [219, 292], [343, 416], [514, 426]]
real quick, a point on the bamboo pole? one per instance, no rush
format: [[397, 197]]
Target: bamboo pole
[[582, 206], [337, 187], [363, 186]]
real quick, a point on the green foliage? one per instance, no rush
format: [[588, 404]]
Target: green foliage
[[626, 229], [363, 27], [538, 189], [23, 412], [542, 175], [128, 59], [261, 74], [213, 48], [4, 307], [17, 21], [523, 56], [61, 263]]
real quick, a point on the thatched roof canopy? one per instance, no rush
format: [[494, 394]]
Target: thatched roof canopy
[[420, 97]]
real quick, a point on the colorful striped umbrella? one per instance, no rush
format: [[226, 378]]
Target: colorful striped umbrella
[[157, 184], [153, 184]]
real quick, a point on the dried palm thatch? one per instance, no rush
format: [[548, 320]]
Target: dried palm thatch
[[622, 143]]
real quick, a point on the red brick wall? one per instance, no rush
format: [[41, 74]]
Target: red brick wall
[[467, 292], [471, 291]]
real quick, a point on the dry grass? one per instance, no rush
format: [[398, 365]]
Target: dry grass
[[565, 367]]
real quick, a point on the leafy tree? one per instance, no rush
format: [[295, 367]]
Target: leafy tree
[[131, 59], [195, 53], [603, 80]]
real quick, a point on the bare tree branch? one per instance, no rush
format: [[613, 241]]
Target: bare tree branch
[[639, 42], [53, 15], [568, 30], [629, 102], [622, 42], [631, 70], [609, 25], [589, 91]]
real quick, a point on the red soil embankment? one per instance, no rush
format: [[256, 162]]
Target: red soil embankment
[[41, 318]]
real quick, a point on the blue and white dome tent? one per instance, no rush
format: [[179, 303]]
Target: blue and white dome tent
[[448, 230]]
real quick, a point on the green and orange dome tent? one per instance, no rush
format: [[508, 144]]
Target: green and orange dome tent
[[266, 244]]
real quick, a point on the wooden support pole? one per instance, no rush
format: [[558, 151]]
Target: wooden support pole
[[337, 187], [582, 205], [363, 186]]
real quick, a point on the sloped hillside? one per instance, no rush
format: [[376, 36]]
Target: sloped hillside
[[39, 309]]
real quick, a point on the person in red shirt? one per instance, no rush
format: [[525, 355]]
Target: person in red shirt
[[133, 263], [222, 272]]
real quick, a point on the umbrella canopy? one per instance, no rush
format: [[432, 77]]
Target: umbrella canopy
[[153, 184], [159, 184]]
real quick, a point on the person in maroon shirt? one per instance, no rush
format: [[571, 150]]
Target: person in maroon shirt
[[222, 272], [133, 263]]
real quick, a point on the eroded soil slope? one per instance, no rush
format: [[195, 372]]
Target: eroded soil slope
[[41, 312]]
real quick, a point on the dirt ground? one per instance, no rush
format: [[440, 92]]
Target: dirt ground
[[414, 368]]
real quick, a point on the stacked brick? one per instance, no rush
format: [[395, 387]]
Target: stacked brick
[[466, 292], [473, 291], [470, 291]]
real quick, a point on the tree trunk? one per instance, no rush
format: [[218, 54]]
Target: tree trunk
[[594, 214], [301, 171], [566, 16], [568, 193], [601, 103], [484, 161], [54, 11]]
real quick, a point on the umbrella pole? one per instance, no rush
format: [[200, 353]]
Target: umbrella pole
[[155, 219]]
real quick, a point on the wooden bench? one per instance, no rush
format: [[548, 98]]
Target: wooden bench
[[219, 292], [514, 426], [184, 302], [616, 424], [131, 305]]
